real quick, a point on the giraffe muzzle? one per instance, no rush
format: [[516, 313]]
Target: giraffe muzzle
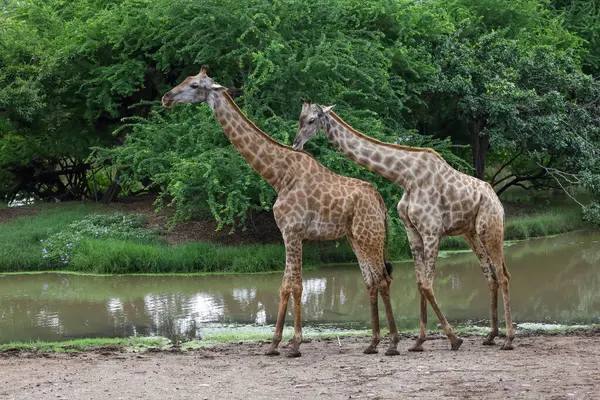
[[298, 143], [167, 101]]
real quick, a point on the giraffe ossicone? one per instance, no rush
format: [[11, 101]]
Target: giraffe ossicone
[[313, 203], [438, 201]]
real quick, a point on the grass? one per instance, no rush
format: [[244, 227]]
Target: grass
[[546, 223], [552, 222], [118, 257], [134, 344], [21, 250]]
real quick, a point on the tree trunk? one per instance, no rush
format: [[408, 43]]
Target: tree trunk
[[480, 147], [112, 192]]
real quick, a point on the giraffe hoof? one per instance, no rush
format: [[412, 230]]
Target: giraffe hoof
[[272, 352], [456, 344], [392, 352], [507, 346], [416, 348], [370, 350], [488, 342], [293, 354]]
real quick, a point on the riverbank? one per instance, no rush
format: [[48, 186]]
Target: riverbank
[[262, 336], [557, 367], [129, 237]]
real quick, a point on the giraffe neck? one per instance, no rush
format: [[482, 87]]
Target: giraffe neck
[[399, 164], [256, 147]]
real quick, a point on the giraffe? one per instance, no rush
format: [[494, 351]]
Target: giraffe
[[438, 201], [313, 203]]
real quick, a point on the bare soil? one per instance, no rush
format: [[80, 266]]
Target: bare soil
[[548, 367], [7, 214], [260, 226]]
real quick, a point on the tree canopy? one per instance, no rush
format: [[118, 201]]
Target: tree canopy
[[505, 90]]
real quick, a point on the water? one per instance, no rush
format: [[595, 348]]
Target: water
[[555, 280]]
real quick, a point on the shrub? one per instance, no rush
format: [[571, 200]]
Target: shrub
[[58, 248]]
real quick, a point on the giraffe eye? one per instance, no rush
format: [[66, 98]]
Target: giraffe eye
[[311, 121], [194, 85]]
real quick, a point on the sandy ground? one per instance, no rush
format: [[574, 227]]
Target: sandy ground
[[540, 367]]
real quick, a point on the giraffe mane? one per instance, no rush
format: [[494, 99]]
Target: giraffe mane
[[378, 142], [253, 125], [260, 131]]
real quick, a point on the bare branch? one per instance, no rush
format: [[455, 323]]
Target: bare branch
[[506, 164], [570, 178], [522, 178], [523, 186], [503, 179]]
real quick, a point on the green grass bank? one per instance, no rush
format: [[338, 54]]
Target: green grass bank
[[90, 238], [136, 344]]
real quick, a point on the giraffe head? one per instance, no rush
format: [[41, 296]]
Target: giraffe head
[[194, 89], [312, 118]]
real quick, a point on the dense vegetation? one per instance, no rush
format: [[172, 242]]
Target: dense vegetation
[[93, 238], [505, 90]]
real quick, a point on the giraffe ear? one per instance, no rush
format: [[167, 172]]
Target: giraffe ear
[[218, 88], [327, 109]]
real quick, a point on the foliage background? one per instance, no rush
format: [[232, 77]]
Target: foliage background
[[506, 90]]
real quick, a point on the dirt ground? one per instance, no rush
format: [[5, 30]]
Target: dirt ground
[[260, 226], [550, 367]]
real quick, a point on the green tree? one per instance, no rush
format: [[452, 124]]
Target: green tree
[[502, 80], [510, 82], [583, 18]]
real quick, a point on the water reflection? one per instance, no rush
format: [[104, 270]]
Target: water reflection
[[554, 280]]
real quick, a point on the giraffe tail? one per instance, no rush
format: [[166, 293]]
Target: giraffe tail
[[386, 255], [505, 270], [389, 268]]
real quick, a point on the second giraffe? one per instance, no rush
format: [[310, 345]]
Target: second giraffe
[[438, 201]]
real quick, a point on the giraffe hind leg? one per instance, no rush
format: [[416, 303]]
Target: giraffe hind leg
[[418, 346], [492, 240], [377, 279], [376, 338], [384, 291], [489, 271]]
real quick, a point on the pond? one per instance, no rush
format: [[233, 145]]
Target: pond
[[554, 280]]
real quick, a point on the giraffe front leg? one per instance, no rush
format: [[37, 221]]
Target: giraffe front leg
[[416, 247], [284, 295], [293, 255], [372, 349], [455, 342], [292, 280], [297, 339], [431, 245]]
